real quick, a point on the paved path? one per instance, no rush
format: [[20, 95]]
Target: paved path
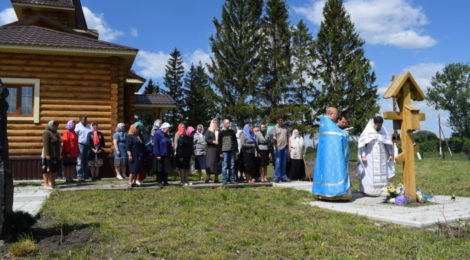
[[442, 210], [30, 199]]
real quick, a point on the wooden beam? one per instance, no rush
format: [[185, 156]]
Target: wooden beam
[[398, 116]]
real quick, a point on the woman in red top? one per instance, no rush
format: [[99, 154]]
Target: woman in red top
[[69, 151]]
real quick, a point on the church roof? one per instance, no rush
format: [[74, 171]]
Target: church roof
[[52, 3], [35, 36]]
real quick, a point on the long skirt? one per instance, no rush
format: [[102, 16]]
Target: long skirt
[[296, 169], [249, 163], [212, 160]]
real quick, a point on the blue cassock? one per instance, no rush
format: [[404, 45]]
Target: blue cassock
[[331, 178]]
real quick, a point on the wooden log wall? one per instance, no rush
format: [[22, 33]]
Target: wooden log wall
[[70, 86]]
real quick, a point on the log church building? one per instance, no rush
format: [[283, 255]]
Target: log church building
[[56, 68]]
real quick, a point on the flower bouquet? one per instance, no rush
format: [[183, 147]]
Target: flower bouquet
[[396, 195]]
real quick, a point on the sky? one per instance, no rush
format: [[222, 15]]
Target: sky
[[401, 35]]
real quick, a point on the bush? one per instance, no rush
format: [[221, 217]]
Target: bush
[[466, 145], [26, 246], [430, 146], [423, 136], [455, 144]]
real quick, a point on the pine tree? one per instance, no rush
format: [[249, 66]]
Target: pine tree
[[152, 88], [236, 60], [302, 92], [276, 60], [200, 97], [173, 81], [345, 75]]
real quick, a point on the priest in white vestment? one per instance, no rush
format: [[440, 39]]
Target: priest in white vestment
[[376, 160]]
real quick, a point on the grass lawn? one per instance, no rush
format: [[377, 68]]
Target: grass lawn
[[224, 223]]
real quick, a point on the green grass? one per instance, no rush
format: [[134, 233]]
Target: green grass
[[25, 246], [441, 177], [224, 223]]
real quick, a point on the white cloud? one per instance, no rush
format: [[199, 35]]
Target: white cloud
[[152, 64], [386, 22], [424, 72], [134, 32], [7, 16], [97, 22], [199, 56]]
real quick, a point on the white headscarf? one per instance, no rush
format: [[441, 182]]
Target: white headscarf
[[165, 125], [369, 134], [296, 139]]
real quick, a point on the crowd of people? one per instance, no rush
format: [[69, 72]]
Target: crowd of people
[[237, 155]]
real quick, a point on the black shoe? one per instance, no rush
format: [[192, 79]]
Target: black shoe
[[165, 184], [276, 180], [207, 181], [286, 180], [216, 181]]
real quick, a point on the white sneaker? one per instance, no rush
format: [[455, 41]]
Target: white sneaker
[[138, 183], [186, 184]]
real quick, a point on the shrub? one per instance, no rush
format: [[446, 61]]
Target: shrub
[[423, 136], [26, 246], [430, 146], [455, 144]]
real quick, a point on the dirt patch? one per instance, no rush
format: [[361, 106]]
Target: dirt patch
[[52, 237]]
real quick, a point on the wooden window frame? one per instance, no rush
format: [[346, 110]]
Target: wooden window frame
[[21, 82], [19, 99]]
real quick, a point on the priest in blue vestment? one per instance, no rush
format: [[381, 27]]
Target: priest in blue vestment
[[331, 178]]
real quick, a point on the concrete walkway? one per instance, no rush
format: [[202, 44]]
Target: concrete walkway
[[30, 199], [442, 210]]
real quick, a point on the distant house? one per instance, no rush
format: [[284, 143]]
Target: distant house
[[56, 69]]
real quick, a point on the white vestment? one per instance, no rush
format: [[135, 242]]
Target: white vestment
[[377, 147]]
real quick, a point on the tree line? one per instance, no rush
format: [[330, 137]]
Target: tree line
[[262, 65]]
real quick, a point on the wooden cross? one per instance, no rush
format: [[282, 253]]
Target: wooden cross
[[404, 88]]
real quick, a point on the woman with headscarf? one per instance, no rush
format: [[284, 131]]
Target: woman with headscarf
[[248, 144], [297, 151], [95, 142], [163, 152], [212, 151], [135, 148], [179, 133], [264, 150], [50, 154], [120, 154], [200, 146], [70, 151], [184, 153], [148, 155], [156, 125]]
